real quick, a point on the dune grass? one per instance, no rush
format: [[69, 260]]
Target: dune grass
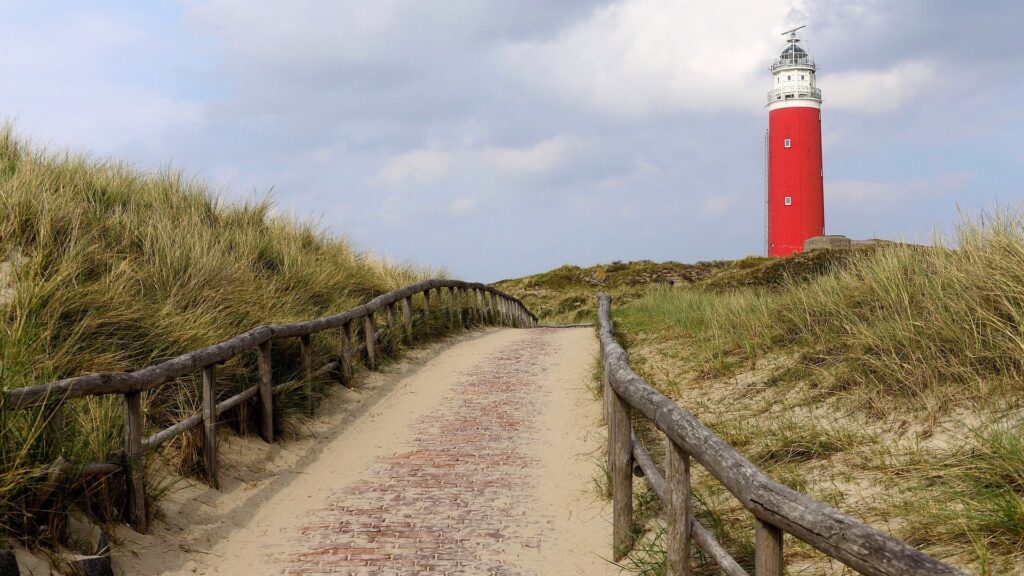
[[889, 388], [108, 268]]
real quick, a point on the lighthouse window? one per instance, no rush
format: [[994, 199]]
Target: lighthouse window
[[787, 143], [789, 77], [789, 200], [801, 76]]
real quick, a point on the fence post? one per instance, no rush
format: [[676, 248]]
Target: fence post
[[306, 356], [346, 352], [266, 394], [452, 299], [210, 425], [677, 515], [478, 302], [391, 317], [407, 318], [768, 552], [620, 466], [135, 460], [371, 341]]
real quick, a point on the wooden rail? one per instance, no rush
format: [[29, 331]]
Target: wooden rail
[[481, 303], [777, 509]]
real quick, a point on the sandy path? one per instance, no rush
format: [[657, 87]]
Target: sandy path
[[479, 460]]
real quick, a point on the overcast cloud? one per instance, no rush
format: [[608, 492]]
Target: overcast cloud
[[504, 138]]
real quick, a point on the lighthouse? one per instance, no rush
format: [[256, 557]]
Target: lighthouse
[[796, 199]]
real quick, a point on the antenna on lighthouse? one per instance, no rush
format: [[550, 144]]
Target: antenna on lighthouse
[[792, 33]]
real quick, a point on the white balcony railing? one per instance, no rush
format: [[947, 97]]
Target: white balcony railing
[[794, 93], [803, 62]]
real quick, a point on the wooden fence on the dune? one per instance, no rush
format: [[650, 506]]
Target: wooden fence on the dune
[[777, 509], [466, 303]]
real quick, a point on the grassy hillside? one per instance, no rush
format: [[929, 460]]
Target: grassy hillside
[[566, 294], [103, 267], [886, 383], [890, 389]]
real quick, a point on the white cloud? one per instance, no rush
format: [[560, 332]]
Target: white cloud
[[537, 159], [462, 206], [418, 166], [854, 191], [641, 57], [877, 91], [717, 205], [870, 195]]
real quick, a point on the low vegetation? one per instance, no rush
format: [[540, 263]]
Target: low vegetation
[[566, 294], [883, 382], [107, 268], [889, 388]]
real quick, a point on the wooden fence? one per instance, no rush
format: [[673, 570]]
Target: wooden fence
[[479, 302], [777, 509]]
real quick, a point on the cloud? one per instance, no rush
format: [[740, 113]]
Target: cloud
[[416, 167], [858, 191], [717, 205], [462, 206], [638, 58], [878, 91], [872, 195], [537, 159]]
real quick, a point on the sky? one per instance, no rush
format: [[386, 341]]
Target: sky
[[503, 138]]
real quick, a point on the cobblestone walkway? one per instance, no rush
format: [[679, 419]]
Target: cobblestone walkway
[[458, 500]]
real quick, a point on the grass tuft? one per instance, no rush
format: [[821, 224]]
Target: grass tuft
[[106, 268]]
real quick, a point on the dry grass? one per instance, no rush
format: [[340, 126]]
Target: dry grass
[[107, 268], [889, 389], [885, 383], [566, 294]]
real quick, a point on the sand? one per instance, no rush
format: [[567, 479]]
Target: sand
[[282, 507]]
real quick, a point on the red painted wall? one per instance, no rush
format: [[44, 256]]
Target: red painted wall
[[794, 172]]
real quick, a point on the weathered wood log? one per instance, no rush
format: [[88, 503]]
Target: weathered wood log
[[100, 469], [306, 358], [452, 307], [158, 439], [620, 459], [426, 306], [266, 393], [701, 535], [853, 543], [210, 425], [391, 316], [347, 351], [135, 460], [237, 399], [407, 319], [90, 566], [144, 379], [677, 512], [370, 332], [157, 374], [767, 549]]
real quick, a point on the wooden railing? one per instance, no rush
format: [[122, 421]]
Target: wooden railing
[[480, 303], [776, 508]]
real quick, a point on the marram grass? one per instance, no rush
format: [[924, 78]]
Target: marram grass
[[107, 268], [889, 388]]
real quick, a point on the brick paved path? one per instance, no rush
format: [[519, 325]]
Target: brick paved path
[[459, 498]]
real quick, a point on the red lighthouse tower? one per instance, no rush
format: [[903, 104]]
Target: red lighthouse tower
[[796, 199]]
